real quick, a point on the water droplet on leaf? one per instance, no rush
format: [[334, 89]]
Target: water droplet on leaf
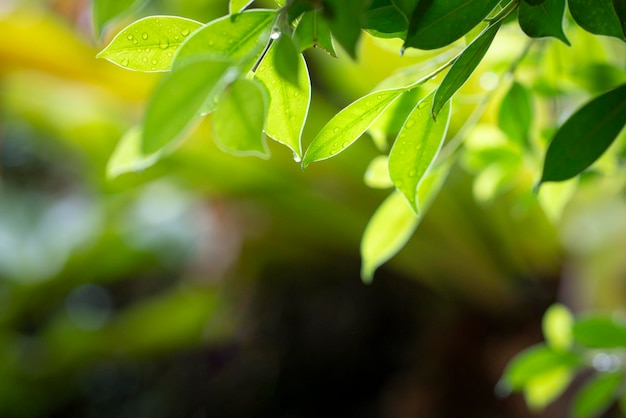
[[275, 33], [185, 32], [297, 158], [164, 45], [409, 123], [336, 130], [130, 37], [144, 36]]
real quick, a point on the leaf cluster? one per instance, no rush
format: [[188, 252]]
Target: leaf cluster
[[248, 72]]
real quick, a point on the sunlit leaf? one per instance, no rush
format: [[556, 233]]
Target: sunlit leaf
[[127, 156], [598, 17], [239, 118], [553, 197], [516, 114], [585, 136], [348, 125], [312, 31], [236, 6], [597, 395], [392, 119], [416, 148], [286, 59], [241, 40], [177, 102], [377, 173], [544, 388], [394, 222], [343, 17], [600, 332], [544, 19], [289, 102], [534, 362], [107, 11], [557, 327], [435, 24], [149, 44], [463, 67]]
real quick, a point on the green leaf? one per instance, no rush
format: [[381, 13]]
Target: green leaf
[[544, 388], [534, 362], [598, 17], [288, 102], [344, 21], [286, 59], [105, 12], [463, 67], [620, 11], [600, 332], [544, 19], [348, 125], [394, 222], [391, 121], [435, 24], [377, 173], [585, 136], [416, 148], [515, 117], [149, 44], [239, 118], [313, 31], [384, 20], [597, 395], [406, 7], [177, 102], [236, 6], [127, 156], [240, 41], [557, 327]]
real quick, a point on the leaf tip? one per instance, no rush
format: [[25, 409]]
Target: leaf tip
[[367, 274]]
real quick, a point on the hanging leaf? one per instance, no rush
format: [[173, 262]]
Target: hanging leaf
[[105, 12], [344, 21], [236, 6], [377, 173], [534, 362], [239, 118], [149, 44], [348, 125], [391, 121], [597, 395], [384, 20], [127, 156], [543, 19], [435, 24], [177, 102], [544, 388], [557, 327], [312, 31], [598, 17], [620, 11], [600, 332], [286, 59], [288, 102], [416, 148], [515, 117], [463, 67], [585, 136], [394, 222], [240, 41]]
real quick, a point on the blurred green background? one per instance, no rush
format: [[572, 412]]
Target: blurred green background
[[216, 286]]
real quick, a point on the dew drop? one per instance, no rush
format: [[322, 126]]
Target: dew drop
[[333, 151], [135, 41], [413, 173], [169, 54], [409, 123], [346, 144], [185, 32], [125, 62], [144, 36], [297, 158], [144, 59], [130, 37], [164, 45], [176, 37], [154, 62], [275, 33], [336, 130], [296, 94], [380, 96], [153, 68], [147, 49]]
